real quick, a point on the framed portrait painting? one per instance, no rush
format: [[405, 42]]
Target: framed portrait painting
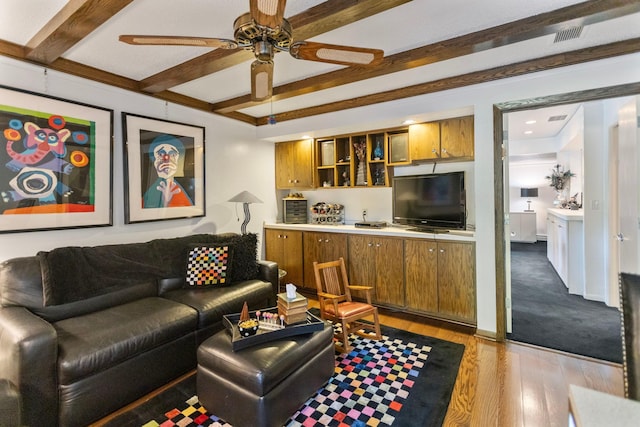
[[164, 169], [55, 163]]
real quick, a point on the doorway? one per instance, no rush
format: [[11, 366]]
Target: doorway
[[502, 245]]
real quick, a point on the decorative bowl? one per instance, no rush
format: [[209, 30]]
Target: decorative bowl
[[248, 327]]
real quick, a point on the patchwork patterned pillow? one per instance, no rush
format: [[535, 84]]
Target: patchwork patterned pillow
[[208, 265]]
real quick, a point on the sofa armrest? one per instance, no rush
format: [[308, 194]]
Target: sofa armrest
[[28, 357], [269, 273], [9, 404]]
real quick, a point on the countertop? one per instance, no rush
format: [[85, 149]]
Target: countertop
[[567, 214], [391, 231]]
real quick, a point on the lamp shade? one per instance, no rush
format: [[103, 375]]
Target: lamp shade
[[528, 192], [245, 197]]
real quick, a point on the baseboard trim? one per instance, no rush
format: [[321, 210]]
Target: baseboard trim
[[488, 335]]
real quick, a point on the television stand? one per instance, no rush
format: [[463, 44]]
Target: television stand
[[429, 230]]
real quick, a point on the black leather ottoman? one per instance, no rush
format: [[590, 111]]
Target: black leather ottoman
[[265, 384]]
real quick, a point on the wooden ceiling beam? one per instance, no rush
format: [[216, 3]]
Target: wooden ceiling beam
[[624, 47], [76, 20], [536, 26], [320, 19]]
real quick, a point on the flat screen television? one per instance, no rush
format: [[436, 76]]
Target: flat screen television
[[430, 202]]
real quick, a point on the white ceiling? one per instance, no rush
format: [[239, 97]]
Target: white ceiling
[[413, 24]]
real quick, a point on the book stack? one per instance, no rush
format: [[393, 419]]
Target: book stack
[[294, 310]]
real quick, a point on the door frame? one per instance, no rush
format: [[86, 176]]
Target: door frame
[[499, 110]]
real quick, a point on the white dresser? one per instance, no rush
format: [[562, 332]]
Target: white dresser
[[522, 226], [565, 247]]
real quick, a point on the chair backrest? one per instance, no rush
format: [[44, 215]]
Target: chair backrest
[[630, 308], [331, 278]]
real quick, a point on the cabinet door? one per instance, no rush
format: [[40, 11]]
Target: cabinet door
[[321, 247], [389, 271], [421, 275], [362, 261], [456, 281], [424, 140], [456, 137], [283, 165], [377, 262], [294, 164], [302, 160], [285, 248]]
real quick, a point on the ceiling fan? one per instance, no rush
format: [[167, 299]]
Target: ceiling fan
[[264, 30]]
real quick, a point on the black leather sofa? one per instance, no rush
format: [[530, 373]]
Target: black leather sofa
[[85, 331]]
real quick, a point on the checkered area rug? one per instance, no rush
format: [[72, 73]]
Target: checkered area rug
[[369, 387]]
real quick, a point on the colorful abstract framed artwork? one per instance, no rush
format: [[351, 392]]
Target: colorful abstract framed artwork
[[56, 163], [164, 169]]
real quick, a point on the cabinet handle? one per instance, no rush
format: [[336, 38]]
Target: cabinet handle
[[319, 240], [295, 181], [430, 249], [285, 237], [369, 244], [377, 245], [326, 240], [290, 181], [279, 236], [444, 150], [441, 251]]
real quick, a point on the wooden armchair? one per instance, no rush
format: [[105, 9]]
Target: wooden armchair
[[336, 305], [630, 307]]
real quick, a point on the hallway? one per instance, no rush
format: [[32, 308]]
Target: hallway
[[545, 314]]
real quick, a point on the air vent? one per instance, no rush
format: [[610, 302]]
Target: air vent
[[557, 118], [568, 34]]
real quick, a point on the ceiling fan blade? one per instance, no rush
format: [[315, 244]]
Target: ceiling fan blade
[[261, 80], [179, 41], [336, 54], [267, 13]]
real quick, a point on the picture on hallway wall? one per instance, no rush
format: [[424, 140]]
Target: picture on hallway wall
[[164, 169], [56, 165]]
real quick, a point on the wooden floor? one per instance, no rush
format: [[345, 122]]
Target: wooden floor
[[506, 384], [511, 384]]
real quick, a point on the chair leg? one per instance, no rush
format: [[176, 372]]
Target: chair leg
[[345, 337], [376, 323]]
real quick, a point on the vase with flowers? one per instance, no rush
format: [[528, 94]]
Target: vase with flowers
[[560, 180]]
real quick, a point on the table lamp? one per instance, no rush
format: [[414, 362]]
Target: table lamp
[[245, 198], [529, 193]]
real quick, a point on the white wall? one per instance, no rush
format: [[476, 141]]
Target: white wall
[[478, 99], [237, 161], [234, 161]]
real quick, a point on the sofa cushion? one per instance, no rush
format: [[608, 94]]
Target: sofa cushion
[[98, 341], [208, 265], [214, 302]]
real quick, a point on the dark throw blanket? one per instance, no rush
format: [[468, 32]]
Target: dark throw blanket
[[74, 273]]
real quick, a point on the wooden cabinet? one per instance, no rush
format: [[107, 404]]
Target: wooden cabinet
[[456, 281], [294, 164], [421, 275], [424, 276], [449, 139], [358, 160], [440, 279], [321, 247], [424, 140], [378, 261], [522, 227], [285, 248], [456, 138]]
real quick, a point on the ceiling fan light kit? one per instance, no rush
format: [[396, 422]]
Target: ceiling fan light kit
[[264, 30]]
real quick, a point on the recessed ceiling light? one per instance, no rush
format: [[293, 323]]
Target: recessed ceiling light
[[408, 122], [530, 122], [528, 132]]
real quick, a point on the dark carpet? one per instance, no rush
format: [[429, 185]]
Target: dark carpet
[[402, 380], [545, 314]]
